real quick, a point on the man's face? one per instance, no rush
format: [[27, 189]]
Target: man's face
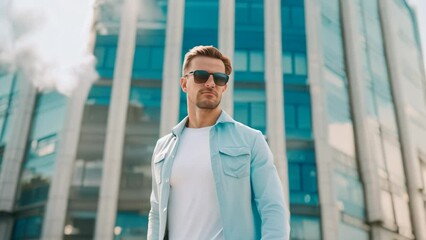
[[203, 95]]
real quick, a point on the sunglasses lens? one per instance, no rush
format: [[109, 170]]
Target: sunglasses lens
[[201, 76], [220, 79]]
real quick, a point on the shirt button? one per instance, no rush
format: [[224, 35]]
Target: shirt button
[[167, 180], [165, 209]]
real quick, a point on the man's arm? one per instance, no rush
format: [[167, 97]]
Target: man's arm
[[267, 191]]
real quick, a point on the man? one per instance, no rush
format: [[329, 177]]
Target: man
[[212, 177]]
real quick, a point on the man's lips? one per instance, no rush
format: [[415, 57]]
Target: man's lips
[[209, 93]]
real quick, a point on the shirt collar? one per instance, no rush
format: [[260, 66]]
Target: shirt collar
[[223, 118]]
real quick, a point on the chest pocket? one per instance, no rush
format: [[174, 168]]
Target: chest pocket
[[158, 166], [235, 161]]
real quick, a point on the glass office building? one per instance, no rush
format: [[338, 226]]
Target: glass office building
[[337, 87]]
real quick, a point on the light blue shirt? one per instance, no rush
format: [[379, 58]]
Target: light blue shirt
[[249, 191]]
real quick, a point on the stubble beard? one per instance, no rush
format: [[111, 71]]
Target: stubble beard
[[208, 105]]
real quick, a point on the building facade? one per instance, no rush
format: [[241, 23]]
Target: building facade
[[337, 87]]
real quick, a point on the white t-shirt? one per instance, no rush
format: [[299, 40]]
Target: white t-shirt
[[193, 211]]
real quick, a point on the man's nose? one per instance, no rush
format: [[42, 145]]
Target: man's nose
[[210, 82]]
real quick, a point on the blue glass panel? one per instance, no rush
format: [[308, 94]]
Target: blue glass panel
[[285, 16], [150, 41], [80, 225], [241, 61], [183, 110], [105, 53], [298, 114], [287, 62], [141, 59], [27, 228], [131, 224], [256, 61], [249, 39], [298, 16], [304, 117], [300, 65], [350, 192], [99, 95], [302, 177], [304, 227], [347, 231], [250, 107], [309, 175], [295, 178], [199, 29], [290, 116], [38, 166]]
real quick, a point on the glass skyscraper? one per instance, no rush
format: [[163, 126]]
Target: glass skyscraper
[[337, 87]]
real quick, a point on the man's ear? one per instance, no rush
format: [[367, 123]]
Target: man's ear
[[183, 82]]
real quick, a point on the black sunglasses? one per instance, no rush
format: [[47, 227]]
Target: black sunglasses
[[201, 76]]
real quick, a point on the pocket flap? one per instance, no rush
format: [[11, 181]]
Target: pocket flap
[[234, 151]]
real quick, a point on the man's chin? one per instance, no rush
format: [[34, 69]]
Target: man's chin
[[208, 105]]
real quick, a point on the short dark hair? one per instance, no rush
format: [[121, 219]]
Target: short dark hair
[[206, 51]]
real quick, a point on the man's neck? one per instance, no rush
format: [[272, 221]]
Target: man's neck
[[199, 118]]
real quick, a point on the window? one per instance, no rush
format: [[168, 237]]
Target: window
[[302, 177], [349, 191], [249, 61], [27, 228], [80, 225], [304, 227], [256, 61], [300, 67], [130, 225], [249, 13], [287, 63], [297, 114], [347, 231], [250, 107], [241, 60], [294, 63], [38, 167], [298, 16]]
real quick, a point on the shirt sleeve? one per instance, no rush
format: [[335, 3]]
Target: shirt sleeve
[[153, 218], [268, 192]]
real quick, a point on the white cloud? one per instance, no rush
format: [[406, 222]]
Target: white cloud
[[48, 42]]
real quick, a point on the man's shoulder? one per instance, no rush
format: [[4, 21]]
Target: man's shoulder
[[242, 127]]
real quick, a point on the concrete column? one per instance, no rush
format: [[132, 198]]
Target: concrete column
[[57, 204], [329, 208], [113, 152], [14, 154], [56, 208], [274, 89], [226, 46], [354, 46], [390, 25], [6, 226], [170, 93]]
